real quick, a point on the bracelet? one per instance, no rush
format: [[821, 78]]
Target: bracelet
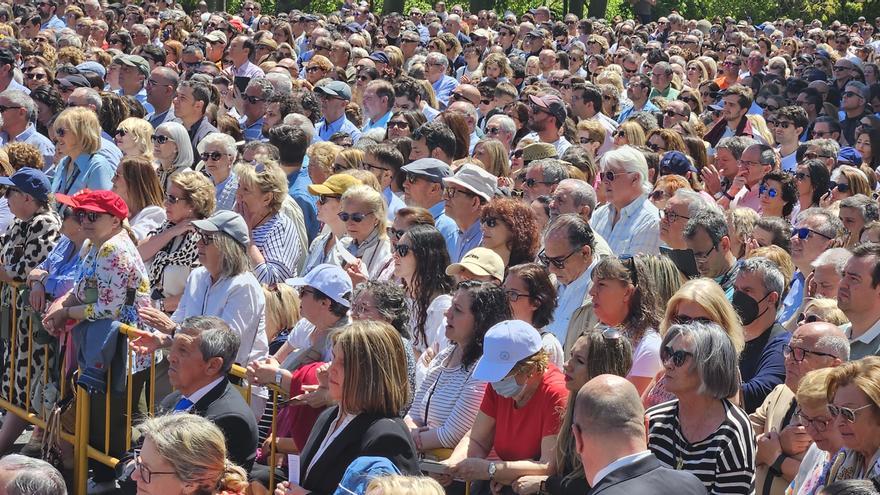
[[728, 196]]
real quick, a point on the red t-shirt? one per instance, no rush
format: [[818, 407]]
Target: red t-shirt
[[518, 432]]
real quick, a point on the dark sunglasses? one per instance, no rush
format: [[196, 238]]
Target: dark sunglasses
[[172, 199], [354, 217], [804, 232], [91, 216], [677, 357], [398, 124], [685, 320], [801, 176], [397, 234], [490, 222], [120, 133], [557, 261], [516, 154], [402, 250], [531, 182], [610, 176], [214, 155], [840, 186], [157, 138], [252, 99]]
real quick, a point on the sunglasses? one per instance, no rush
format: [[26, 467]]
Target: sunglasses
[[585, 140], [677, 357], [91, 216], [840, 186], [770, 191], [323, 198], [120, 133], [610, 176], [657, 195], [157, 138], [213, 156], [402, 250], [354, 217], [685, 319], [397, 234], [207, 239], [812, 155], [35, 76], [557, 261], [519, 153], [848, 414], [655, 147], [801, 176], [252, 99], [804, 233], [398, 124], [531, 182]]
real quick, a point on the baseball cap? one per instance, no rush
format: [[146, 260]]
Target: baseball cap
[[228, 222], [479, 261], [675, 162], [353, 27], [431, 169], [475, 179], [552, 104], [215, 36], [504, 345], [99, 201], [335, 88], [331, 280], [380, 57], [30, 181], [335, 185], [74, 81], [92, 66], [136, 61], [534, 33], [849, 156]]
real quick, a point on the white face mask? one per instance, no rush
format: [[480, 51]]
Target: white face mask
[[508, 387]]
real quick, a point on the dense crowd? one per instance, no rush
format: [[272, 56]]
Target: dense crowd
[[478, 253]]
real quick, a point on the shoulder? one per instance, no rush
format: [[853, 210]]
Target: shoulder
[[736, 418], [662, 412]]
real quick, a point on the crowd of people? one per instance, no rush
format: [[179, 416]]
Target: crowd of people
[[479, 253]]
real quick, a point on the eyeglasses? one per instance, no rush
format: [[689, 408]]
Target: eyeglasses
[[490, 222], [687, 99], [610, 176], [798, 354], [703, 256], [514, 296], [207, 239], [213, 156], [145, 473], [840, 186], [656, 148], [323, 198], [354, 217], [671, 216], [252, 99], [397, 234], [172, 199], [770, 191], [519, 153], [531, 182], [5, 108], [450, 193], [819, 424], [586, 140], [398, 124], [812, 155], [402, 250], [801, 176], [671, 113], [677, 357], [848, 414], [804, 232], [36, 76], [91, 216], [685, 319], [558, 261], [158, 138], [847, 94]]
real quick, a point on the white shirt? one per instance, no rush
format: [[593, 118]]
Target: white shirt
[[200, 393], [331, 435], [150, 218], [570, 297], [614, 466], [610, 126], [865, 338]]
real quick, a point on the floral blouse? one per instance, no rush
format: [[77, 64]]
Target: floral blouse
[[27, 243], [112, 269]]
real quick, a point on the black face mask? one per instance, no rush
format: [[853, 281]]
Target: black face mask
[[746, 306]]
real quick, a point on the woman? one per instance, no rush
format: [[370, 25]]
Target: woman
[[364, 380], [665, 187], [854, 405], [866, 140], [630, 133], [591, 135], [520, 415], [696, 73], [276, 249], [218, 151], [133, 137], [848, 181], [170, 252], [404, 219], [324, 248], [420, 261], [510, 229], [624, 295], [321, 156], [78, 140], [173, 151], [363, 213], [447, 401], [186, 454], [594, 353], [702, 431], [459, 127], [778, 193], [493, 156], [136, 183], [532, 299], [662, 140], [812, 178], [403, 123], [25, 245]]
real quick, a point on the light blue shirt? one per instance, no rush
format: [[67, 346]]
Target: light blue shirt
[[430, 112], [13, 84], [794, 298], [110, 151], [637, 231], [445, 225], [253, 132], [91, 171], [443, 89], [570, 297], [342, 124], [467, 240], [298, 187], [382, 123], [31, 136], [53, 23], [393, 202], [649, 107]]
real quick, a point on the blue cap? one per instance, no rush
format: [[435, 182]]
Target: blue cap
[[353, 27], [30, 181], [380, 57], [338, 89], [430, 169], [676, 163], [849, 156], [92, 66]]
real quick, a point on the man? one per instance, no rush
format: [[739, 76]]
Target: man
[[133, 73], [161, 89], [91, 99], [433, 140], [756, 161], [629, 222], [637, 90], [577, 197], [378, 102], [465, 194], [241, 49], [828, 270], [854, 106], [408, 96], [719, 177], [384, 161], [756, 298], [569, 247], [542, 177], [707, 236], [423, 187], [334, 97], [257, 93], [190, 104], [843, 72], [754, 64], [855, 212], [680, 208], [46, 9], [729, 72], [191, 59], [788, 125], [781, 439], [814, 232], [546, 118], [586, 104], [826, 127], [292, 143], [409, 43], [215, 47], [7, 71], [736, 103], [502, 128], [859, 299], [469, 113], [202, 353], [676, 111], [610, 438], [825, 150], [278, 106], [436, 65], [18, 115], [21, 475]]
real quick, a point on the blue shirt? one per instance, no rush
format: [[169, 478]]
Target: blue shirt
[[62, 265], [393, 202], [13, 84], [443, 89], [53, 23], [794, 298], [467, 240], [298, 187], [637, 229], [342, 124], [570, 297], [445, 225], [649, 107], [430, 112], [31, 136], [382, 123], [109, 150], [253, 132], [91, 171]]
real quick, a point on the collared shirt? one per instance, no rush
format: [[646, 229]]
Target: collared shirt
[[668, 94], [430, 112], [381, 123], [467, 240], [747, 198], [54, 22], [393, 202], [276, 238], [200, 393], [793, 298], [445, 225], [157, 119], [443, 89], [140, 96], [13, 84], [91, 171], [636, 231], [866, 344], [374, 252], [342, 124], [619, 463], [109, 151], [298, 188], [570, 297], [253, 132], [649, 107], [31, 136], [248, 69]]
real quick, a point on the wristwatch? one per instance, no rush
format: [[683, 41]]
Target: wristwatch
[[776, 467], [278, 377], [492, 469]]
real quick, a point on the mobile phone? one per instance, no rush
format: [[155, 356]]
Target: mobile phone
[[434, 467], [241, 82], [683, 259]]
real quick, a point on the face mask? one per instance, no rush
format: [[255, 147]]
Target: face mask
[[747, 307], [508, 387]]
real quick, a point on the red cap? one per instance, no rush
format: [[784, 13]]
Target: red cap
[[99, 201]]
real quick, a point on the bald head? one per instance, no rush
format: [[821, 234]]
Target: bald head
[[469, 93], [822, 344], [609, 406]]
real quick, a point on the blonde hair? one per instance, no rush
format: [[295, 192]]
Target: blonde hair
[[368, 178], [199, 191], [812, 389], [322, 154], [404, 485], [373, 201], [196, 450], [759, 125], [858, 181], [375, 373], [863, 373], [350, 158], [827, 310], [635, 135], [536, 364], [142, 132], [282, 307], [267, 177], [83, 125], [708, 295], [498, 163], [780, 258], [594, 128]]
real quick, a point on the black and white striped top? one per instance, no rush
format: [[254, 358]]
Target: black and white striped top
[[724, 461]]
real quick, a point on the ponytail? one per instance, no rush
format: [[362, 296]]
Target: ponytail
[[233, 479]]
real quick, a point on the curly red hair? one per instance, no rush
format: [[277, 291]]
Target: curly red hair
[[523, 225]]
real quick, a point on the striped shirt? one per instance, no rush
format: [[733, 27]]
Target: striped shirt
[[450, 398], [724, 461], [276, 238]]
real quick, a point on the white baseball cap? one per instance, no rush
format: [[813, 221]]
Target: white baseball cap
[[331, 280], [504, 345]]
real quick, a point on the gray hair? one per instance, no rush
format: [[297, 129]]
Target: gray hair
[[710, 220], [629, 159], [664, 66], [577, 231], [180, 136], [736, 145], [836, 257], [21, 99], [714, 357], [771, 277], [766, 154], [828, 147], [582, 193], [551, 169], [69, 39], [216, 339], [695, 201], [266, 88], [467, 108], [91, 96], [233, 256], [280, 82], [835, 344], [866, 206], [505, 123], [830, 228], [303, 122], [225, 141], [31, 476], [437, 58]]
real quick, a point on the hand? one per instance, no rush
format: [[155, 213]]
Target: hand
[[55, 320], [470, 469], [444, 479], [148, 342], [738, 183], [314, 396], [155, 318], [262, 370], [768, 448], [495, 487], [323, 374], [527, 484], [750, 244], [711, 179], [357, 271], [38, 297], [794, 439], [427, 356], [288, 488], [825, 201], [183, 227]]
